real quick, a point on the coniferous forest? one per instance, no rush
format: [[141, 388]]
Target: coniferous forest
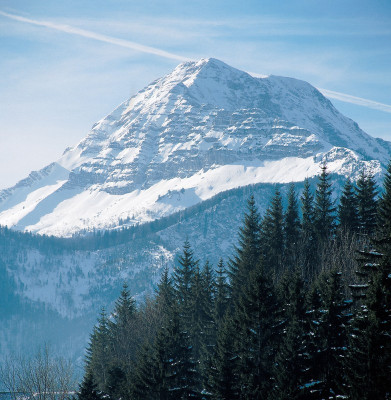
[[301, 310]]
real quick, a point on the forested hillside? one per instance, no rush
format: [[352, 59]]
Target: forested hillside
[[301, 310]]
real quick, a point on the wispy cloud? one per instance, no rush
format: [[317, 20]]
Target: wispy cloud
[[162, 53], [347, 98], [97, 36]]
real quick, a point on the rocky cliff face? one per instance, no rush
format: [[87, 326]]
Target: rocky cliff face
[[202, 129]]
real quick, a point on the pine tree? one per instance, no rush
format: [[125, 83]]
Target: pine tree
[[324, 207], [272, 234], [248, 252], [367, 203], [348, 209], [291, 228], [88, 389]]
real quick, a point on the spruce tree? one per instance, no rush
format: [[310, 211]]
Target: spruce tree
[[348, 209], [324, 207], [369, 363], [367, 203], [384, 210], [165, 295], [333, 326], [308, 241], [99, 352], [123, 332], [88, 389], [291, 228], [247, 253], [183, 279], [224, 373], [221, 301], [273, 235], [257, 322], [291, 365]]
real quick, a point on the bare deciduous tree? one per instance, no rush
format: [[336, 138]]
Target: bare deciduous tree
[[41, 377]]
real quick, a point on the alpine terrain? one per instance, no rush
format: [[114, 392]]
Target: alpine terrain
[[178, 160], [203, 129]]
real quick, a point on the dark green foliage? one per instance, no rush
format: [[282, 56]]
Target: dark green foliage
[[257, 324], [384, 211], [117, 384], [221, 301], [223, 377], [324, 207], [291, 364], [272, 234], [291, 229], [248, 252], [88, 389], [367, 203], [348, 209], [123, 329], [264, 333], [183, 279], [332, 333], [99, 352], [369, 364], [307, 250]]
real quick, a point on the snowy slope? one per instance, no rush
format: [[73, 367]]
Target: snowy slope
[[202, 129]]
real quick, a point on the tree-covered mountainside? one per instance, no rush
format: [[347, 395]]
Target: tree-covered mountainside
[[300, 310]]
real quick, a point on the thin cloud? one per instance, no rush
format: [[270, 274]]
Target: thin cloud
[[162, 53], [97, 36], [347, 98]]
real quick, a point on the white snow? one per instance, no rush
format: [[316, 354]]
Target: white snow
[[202, 129]]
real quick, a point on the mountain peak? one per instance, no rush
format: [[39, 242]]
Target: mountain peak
[[202, 129]]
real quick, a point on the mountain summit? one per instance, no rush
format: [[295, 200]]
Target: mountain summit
[[202, 129]]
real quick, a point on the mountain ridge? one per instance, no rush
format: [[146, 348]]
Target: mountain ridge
[[204, 128]]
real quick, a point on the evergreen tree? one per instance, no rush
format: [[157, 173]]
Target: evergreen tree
[[248, 252], [123, 332], [324, 207], [291, 365], [223, 377], [348, 209], [165, 296], [333, 334], [384, 210], [367, 203], [291, 228], [257, 322], [272, 234], [98, 353], [183, 279], [88, 389], [308, 242], [369, 363], [221, 294]]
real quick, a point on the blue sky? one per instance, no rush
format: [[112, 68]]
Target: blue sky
[[64, 65]]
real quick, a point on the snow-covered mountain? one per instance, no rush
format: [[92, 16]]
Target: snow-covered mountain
[[203, 129]]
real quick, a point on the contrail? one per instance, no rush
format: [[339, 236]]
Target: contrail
[[158, 52], [347, 98], [97, 36]]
